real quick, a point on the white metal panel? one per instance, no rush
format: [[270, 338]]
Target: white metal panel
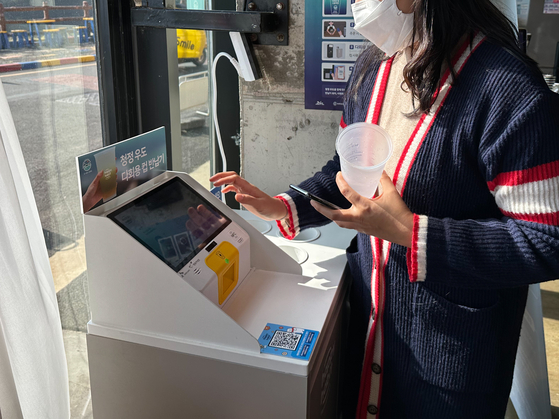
[[131, 289]]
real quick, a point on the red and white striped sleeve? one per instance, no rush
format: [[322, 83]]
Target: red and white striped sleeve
[[519, 159], [529, 195], [289, 225], [417, 255]]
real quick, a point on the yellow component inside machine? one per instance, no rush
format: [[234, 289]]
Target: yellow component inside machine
[[224, 261]]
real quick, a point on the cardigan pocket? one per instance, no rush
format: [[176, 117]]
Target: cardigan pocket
[[353, 258], [455, 347]]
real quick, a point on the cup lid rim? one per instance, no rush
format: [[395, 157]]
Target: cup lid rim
[[375, 127]]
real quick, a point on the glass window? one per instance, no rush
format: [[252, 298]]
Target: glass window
[[192, 52], [49, 72]]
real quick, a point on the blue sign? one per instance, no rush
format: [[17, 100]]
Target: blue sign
[[331, 47], [292, 342], [111, 171]]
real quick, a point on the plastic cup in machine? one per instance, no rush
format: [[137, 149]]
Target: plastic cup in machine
[[106, 162], [299, 255], [364, 149]]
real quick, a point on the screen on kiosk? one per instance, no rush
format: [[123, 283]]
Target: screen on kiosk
[[173, 221]]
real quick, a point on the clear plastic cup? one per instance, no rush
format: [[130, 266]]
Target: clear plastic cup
[[106, 162], [364, 149]]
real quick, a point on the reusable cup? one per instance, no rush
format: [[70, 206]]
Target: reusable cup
[[364, 149], [105, 161]]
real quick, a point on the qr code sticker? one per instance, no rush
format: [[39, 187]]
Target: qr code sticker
[[285, 340]]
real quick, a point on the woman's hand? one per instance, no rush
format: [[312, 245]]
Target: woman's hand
[[93, 193], [386, 216], [252, 198]]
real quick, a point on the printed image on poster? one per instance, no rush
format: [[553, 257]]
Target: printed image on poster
[[111, 171], [333, 51], [336, 71], [551, 7], [335, 29], [335, 7], [341, 51], [340, 29]]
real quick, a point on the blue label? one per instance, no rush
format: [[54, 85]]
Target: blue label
[[287, 341], [216, 191]]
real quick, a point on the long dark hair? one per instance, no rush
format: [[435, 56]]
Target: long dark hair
[[439, 26]]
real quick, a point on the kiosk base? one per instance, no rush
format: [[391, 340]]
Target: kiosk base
[[130, 380], [161, 344]]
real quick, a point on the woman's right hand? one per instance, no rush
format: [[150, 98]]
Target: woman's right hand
[[252, 198]]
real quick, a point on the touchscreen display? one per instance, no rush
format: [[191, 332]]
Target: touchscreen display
[[172, 221]]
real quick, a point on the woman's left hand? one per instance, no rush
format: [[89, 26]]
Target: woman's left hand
[[386, 216]]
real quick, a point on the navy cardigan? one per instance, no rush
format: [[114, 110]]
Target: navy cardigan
[[484, 186]]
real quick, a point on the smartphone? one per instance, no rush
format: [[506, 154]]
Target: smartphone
[[340, 72], [314, 197]]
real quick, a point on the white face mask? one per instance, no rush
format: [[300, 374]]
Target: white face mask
[[382, 23]]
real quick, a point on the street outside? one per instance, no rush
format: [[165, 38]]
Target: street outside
[[57, 117]]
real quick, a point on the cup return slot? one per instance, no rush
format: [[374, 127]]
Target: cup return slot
[[261, 225], [299, 255], [305, 236]]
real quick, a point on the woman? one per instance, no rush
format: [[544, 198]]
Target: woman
[[468, 215]]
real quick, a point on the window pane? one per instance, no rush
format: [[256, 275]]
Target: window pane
[[49, 74], [192, 51]]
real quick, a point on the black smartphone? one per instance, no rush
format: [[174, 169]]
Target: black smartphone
[[314, 197]]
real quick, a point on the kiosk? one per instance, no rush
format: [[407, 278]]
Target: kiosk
[[196, 314]]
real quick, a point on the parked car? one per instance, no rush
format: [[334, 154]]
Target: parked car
[[192, 46]]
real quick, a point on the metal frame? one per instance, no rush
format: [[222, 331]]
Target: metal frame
[[138, 68], [266, 20], [116, 68]]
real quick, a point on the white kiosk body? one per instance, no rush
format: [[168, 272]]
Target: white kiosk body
[[173, 337]]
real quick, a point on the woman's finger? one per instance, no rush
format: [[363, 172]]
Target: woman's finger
[[231, 179], [221, 175], [247, 200], [230, 188], [242, 185], [346, 190], [332, 214], [386, 184]]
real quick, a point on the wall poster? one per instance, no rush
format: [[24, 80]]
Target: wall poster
[[551, 7], [331, 48]]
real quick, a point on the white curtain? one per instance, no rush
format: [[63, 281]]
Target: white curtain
[[33, 371]]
